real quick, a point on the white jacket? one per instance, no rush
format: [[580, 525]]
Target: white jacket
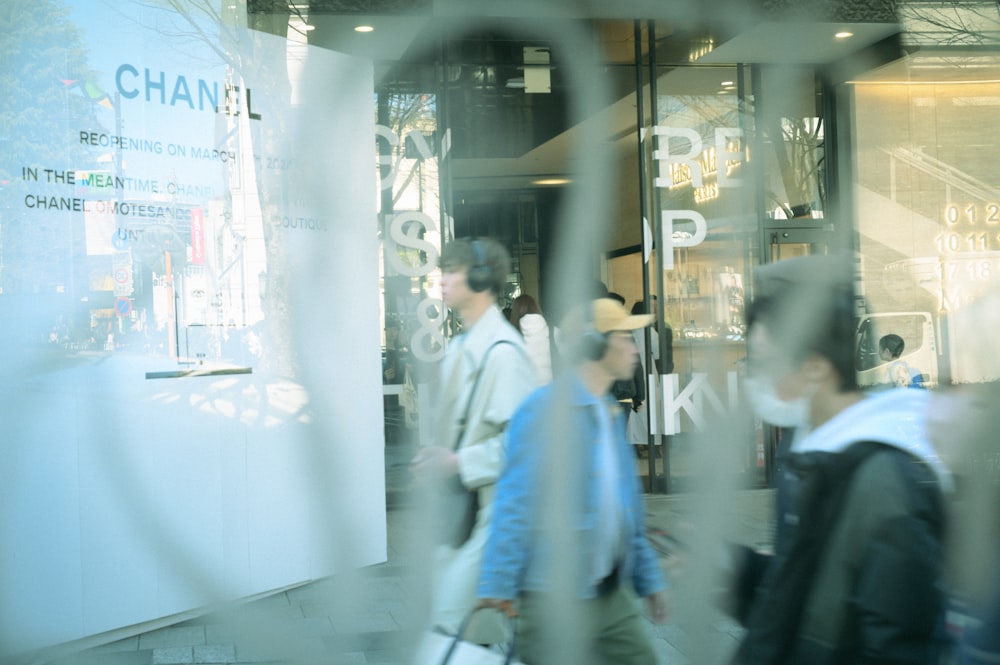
[[536, 338]]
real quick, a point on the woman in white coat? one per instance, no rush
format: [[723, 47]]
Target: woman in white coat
[[526, 316]]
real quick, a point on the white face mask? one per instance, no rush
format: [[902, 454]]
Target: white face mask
[[771, 408]]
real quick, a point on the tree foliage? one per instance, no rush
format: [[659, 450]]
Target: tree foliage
[[46, 93]]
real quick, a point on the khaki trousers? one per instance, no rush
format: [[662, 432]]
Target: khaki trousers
[[608, 630]]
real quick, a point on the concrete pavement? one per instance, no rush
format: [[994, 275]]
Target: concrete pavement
[[379, 624]]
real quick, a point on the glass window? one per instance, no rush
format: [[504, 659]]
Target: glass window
[[706, 206], [706, 234], [408, 151], [792, 138], [927, 201]]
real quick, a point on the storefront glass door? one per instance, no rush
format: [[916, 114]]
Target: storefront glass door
[[704, 229], [733, 182]]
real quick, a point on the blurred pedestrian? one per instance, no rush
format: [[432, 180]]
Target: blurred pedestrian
[[637, 427], [485, 374], [574, 426], [857, 574], [395, 353], [527, 317]]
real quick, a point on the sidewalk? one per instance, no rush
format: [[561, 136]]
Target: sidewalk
[[313, 624]]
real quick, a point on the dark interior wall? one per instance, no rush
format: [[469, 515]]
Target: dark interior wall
[[503, 215], [488, 118], [494, 214], [550, 220]]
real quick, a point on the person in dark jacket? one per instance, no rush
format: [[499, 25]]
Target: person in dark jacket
[[856, 575]]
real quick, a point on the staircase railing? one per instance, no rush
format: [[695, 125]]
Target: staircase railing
[[948, 174]]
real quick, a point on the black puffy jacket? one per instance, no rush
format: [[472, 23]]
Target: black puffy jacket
[[856, 575]]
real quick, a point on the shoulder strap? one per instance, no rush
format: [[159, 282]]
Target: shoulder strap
[[475, 387]]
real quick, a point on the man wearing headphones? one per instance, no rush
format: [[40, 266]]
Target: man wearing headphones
[[568, 544], [485, 374]]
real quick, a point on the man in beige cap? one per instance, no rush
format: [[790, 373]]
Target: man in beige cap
[[567, 545]]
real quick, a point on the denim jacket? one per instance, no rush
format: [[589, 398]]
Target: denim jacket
[[552, 442]]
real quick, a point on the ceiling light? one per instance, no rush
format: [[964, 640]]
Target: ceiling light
[[844, 34], [727, 83], [551, 181], [364, 28]]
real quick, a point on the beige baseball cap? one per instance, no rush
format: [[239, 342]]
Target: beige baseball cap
[[605, 315]]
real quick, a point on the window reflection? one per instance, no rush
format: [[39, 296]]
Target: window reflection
[[927, 214]]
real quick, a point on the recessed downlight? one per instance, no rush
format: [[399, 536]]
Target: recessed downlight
[[364, 28], [843, 34]]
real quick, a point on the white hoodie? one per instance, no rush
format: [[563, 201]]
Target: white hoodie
[[895, 417], [536, 338]]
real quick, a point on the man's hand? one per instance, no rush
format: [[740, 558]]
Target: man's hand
[[659, 607], [505, 606], [434, 462]]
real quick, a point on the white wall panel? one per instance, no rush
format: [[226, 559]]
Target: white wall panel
[[126, 499]]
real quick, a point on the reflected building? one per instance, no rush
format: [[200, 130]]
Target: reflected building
[[734, 137], [160, 206]]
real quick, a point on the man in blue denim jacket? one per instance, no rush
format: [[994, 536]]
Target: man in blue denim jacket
[[567, 545]]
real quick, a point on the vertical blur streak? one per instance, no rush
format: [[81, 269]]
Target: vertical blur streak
[[584, 223], [697, 594], [331, 467], [963, 425], [583, 226]]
